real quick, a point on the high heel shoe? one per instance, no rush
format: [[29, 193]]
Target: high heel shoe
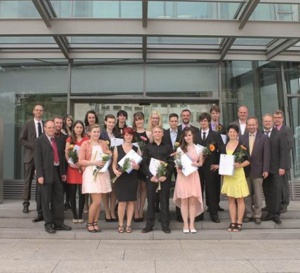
[[193, 230], [108, 219], [96, 227], [186, 231], [89, 226]]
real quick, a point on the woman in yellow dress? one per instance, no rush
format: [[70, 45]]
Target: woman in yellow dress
[[235, 186]]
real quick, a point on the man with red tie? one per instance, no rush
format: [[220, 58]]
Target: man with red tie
[[50, 166]]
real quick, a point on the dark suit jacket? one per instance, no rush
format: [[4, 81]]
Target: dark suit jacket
[[238, 124], [44, 158], [27, 137], [167, 137], [279, 151], [260, 157], [211, 138], [290, 142]]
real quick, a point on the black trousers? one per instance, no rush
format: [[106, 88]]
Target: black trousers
[[52, 196], [164, 194], [272, 191], [211, 182], [73, 189]]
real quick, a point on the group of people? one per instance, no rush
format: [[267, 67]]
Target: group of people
[[81, 159]]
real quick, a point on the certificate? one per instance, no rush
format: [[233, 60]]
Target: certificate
[[153, 166], [133, 156], [116, 141], [187, 167], [226, 166], [98, 156]]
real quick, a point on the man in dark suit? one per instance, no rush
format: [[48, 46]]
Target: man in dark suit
[[186, 121], [209, 176], [258, 146], [242, 119], [215, 125], [31, 130], [172, 137], [278, 118], [49, 159], [278, 166]]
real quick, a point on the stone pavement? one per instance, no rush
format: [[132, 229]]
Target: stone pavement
[[26, 247]]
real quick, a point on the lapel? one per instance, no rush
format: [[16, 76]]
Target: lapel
[[46, 140]]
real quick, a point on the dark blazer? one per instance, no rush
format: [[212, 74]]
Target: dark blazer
[[167, 137], [279, 151], [289, 135], [212, 138], [260, 157], [44, 158], [27, 137], [236, 122], [195, 129]]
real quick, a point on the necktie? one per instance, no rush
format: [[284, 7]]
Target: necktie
[[204, 136], [55, 151], [267, 133], [251, 142], [39, 129]]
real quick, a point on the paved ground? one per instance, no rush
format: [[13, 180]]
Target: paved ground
[[26, 247]]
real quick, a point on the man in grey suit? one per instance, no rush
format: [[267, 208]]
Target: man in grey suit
[[278, 166], [49, 160], [278, 118], [30, 131], [242, 119], [258, 146]]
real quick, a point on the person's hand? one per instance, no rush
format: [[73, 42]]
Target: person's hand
[[162, 179], [265, 175], [64, 178], [214, 167], [281, 172], [117, 173], [73, 166], [41, 180], [237, 165], [99, 163], [154, 179], [134, 165]]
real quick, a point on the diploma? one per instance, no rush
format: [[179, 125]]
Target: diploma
[[226, 166], [116, 141], [98, 156], [153, 166], [133, 156], [187, 167]]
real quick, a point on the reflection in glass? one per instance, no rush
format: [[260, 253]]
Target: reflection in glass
[[18, 9]]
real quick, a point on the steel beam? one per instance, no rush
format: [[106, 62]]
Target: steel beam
[[145, 13], [279, 46], [63, 44], [247, 12], [225, 47], [157, 27], [144, 48], [45, 9]]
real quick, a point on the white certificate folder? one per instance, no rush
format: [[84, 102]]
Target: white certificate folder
[[226, 166], [133, 156]]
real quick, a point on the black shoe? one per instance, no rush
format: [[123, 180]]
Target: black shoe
[[62, 227], [283, 210], [107, 219], [166, 230], [25, 207], [67, 206], [50, 230], [247, 219], [277, 220], [156, 209], [215, 219], [220, 209], [147, 229], [257, 221], [268, 217], [264, 209], [39, 218]]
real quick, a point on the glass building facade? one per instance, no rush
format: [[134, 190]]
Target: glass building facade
[[73, 56]]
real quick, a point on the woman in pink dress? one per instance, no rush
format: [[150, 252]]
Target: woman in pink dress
[[91, 156], [187, 192]]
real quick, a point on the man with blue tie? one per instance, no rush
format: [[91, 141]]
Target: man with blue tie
[[258, 146]]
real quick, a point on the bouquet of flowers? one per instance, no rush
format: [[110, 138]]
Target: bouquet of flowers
[[240, 152], [177, 161], [176, 145], [105, 158], [142, 142], [219, 128], [161, 171], [210, 148], [73, 155], [124, 168]]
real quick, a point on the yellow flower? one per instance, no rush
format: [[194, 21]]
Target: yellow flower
[[107, 142], [71, 146]]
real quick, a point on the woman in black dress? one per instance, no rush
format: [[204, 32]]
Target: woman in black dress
[[143, 137], [126, 183]]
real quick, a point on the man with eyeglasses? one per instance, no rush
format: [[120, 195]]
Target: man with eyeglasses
[[278, 117]]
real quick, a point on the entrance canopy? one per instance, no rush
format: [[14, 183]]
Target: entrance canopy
[[149, 30]]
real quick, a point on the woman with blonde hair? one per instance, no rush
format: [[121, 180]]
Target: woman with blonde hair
[[93, 155], [154, 120]]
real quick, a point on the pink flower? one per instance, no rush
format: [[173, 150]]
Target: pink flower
[[143, 138]]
